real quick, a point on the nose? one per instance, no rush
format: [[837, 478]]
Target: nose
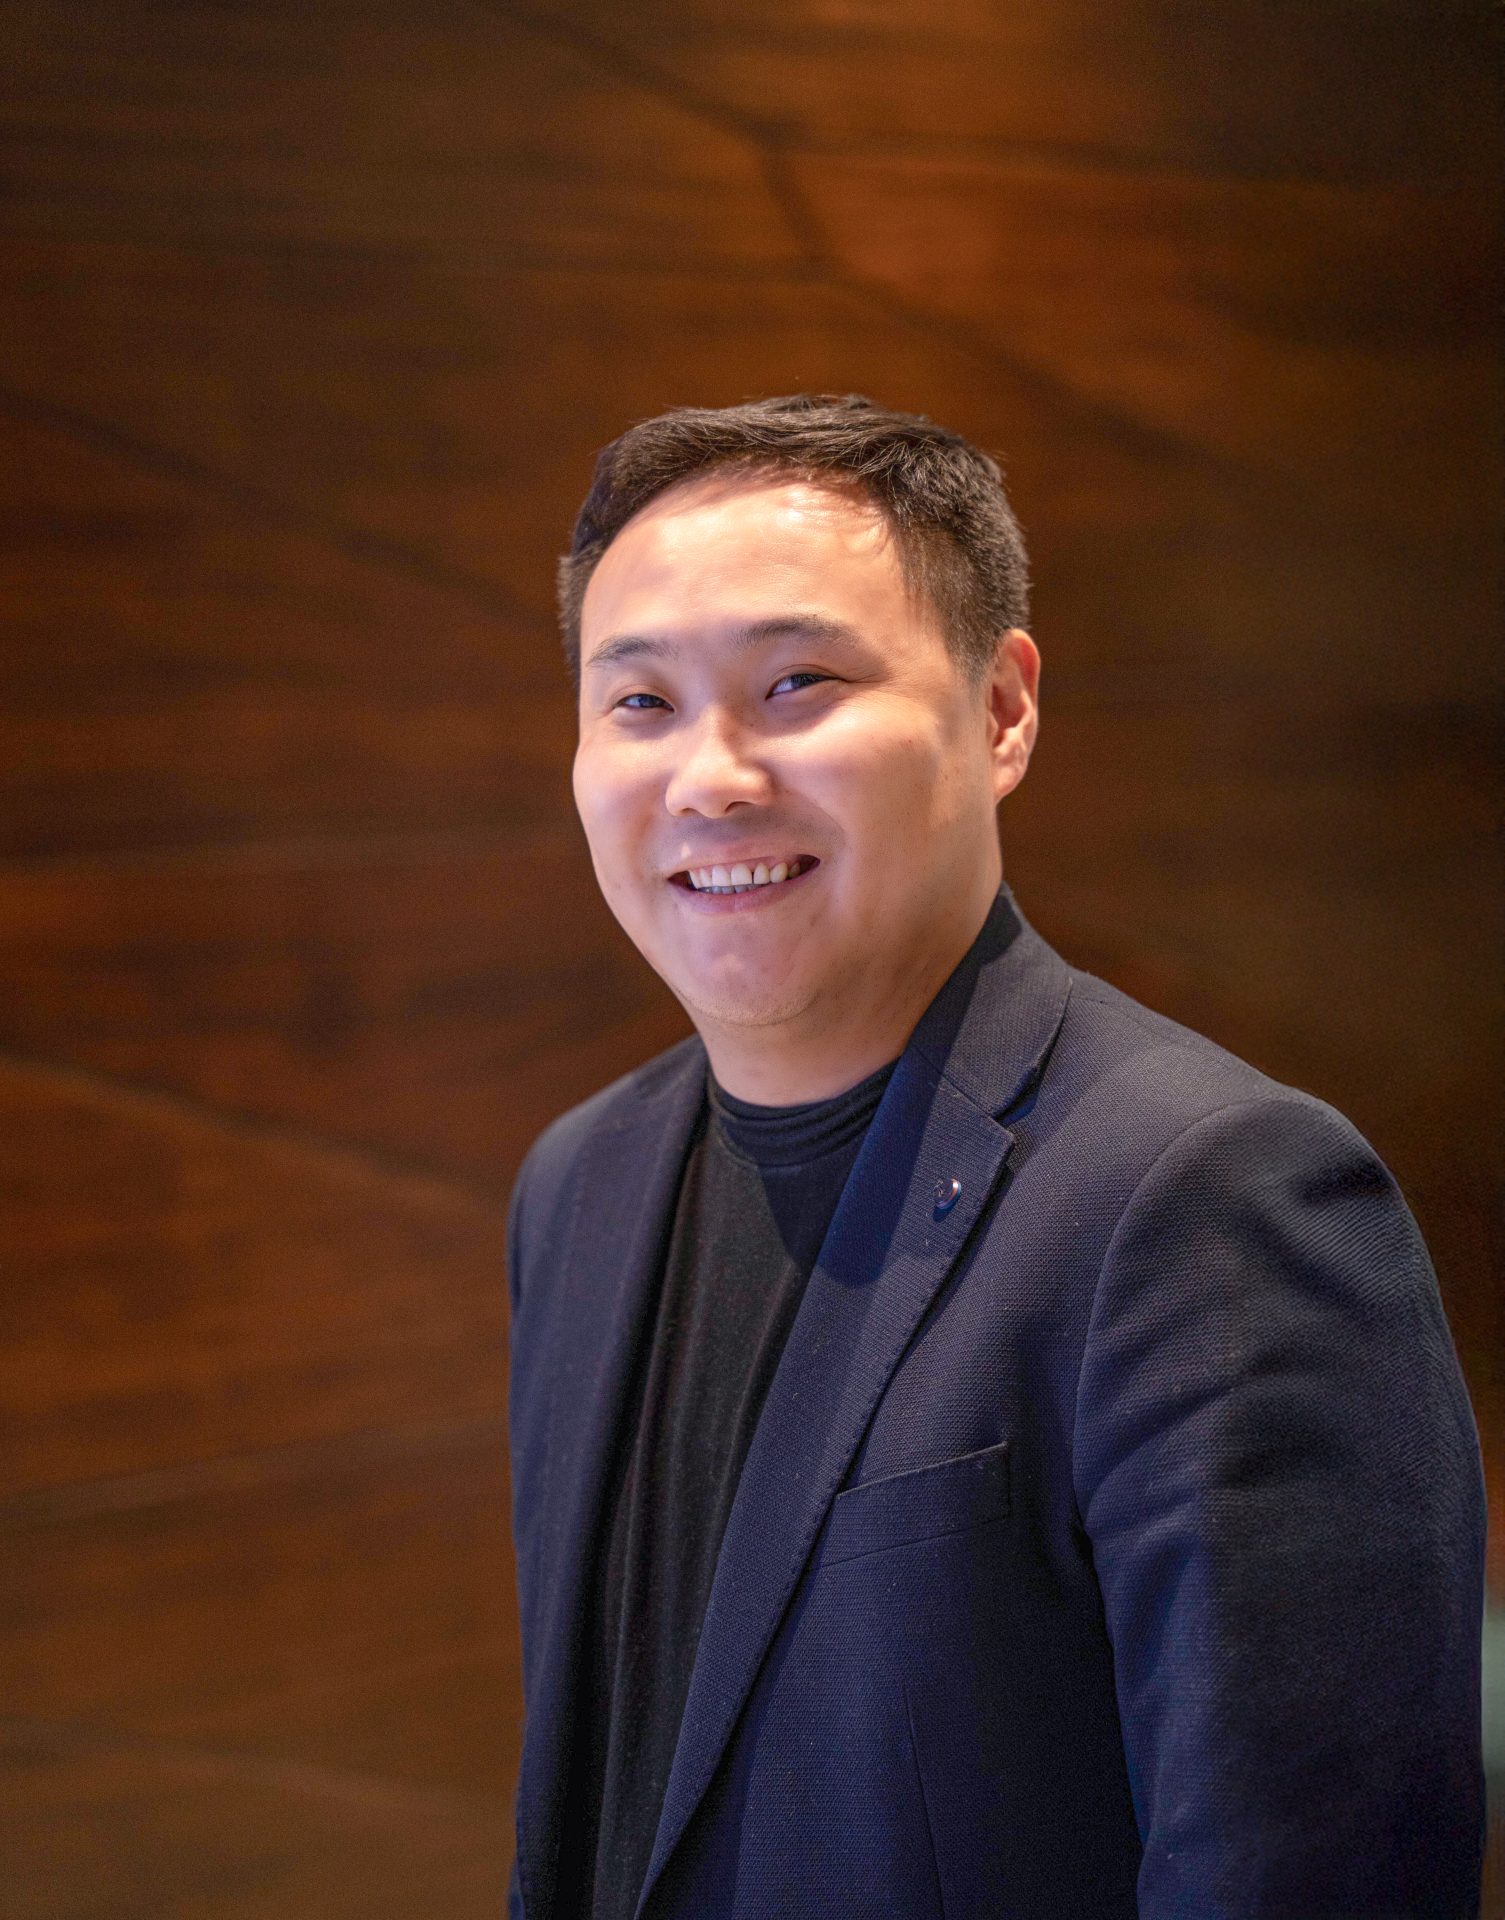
[[713, 769]]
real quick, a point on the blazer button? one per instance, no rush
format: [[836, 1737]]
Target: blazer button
[[947, 1193]]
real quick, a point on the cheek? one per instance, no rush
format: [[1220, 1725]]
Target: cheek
[[890, 780], [607, 823], [603, 794]]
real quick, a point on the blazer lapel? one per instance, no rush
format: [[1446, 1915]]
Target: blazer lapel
[[889, 1250], [606, 1284]]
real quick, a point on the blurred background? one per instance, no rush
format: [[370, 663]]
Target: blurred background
[[312, 320]]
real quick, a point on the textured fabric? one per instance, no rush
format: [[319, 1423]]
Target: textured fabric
[[757, 1194], [1111, 1539]]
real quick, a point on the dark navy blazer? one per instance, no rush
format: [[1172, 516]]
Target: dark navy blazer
[[1111, 1541]]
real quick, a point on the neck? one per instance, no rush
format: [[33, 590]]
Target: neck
[[831, 1048]]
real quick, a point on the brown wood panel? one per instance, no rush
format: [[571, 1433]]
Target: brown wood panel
[[1348, 89], [435, 1002], [464, 136], [179, 1288], [260, 1598], [182, 668], [102, 1828], [322, 1638], [444, 1717], [1340, 337]]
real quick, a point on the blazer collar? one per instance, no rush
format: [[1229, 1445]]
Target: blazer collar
[[989, 1029], [975, 1053]]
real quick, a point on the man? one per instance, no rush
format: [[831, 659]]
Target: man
[[979, 1449]]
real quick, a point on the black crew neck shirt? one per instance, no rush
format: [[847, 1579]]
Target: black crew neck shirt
[[760, 1185]]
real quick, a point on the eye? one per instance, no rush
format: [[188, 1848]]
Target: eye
[[812, 677], [623, 702]]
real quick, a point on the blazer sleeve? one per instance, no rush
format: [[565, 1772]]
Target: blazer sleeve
[[1278, 1471]]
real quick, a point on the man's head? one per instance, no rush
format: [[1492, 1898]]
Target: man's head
[[958, 543], [796, 629]]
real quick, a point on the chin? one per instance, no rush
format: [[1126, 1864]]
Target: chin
[[768, 1005]]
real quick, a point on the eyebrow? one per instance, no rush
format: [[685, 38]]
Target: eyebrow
[[757, 633]]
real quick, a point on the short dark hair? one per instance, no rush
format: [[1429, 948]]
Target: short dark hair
[[959, 545]]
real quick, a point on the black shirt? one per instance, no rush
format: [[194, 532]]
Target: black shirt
[[759, 1188]]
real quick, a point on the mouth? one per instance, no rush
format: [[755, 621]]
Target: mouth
[[744, 876]]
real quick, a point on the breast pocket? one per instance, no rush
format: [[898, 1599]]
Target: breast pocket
[[922, 1503]]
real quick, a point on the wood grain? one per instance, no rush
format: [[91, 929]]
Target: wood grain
[[1349, 89], [178, 672], [435, 1004], [106, 1828], [158, 1606], [1262, 321], [454, 139], [183, 1289]]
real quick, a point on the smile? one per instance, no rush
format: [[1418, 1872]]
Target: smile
[[721, 885]]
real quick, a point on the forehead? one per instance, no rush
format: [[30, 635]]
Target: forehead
[[721, 538]]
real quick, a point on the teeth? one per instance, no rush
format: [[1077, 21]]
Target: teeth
[[739, 877]]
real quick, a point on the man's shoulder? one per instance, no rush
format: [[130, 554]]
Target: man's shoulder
[[1123, 1068], [619, 1105], [1138, 1112]]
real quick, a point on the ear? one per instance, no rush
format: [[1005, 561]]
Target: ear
[[1013, 713]]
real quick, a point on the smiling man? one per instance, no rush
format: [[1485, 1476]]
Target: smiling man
[[979, 1449], [768, 698]]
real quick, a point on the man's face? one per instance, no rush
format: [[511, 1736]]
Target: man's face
[[792, 707]]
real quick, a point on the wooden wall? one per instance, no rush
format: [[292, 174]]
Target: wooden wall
[[312, 319]]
